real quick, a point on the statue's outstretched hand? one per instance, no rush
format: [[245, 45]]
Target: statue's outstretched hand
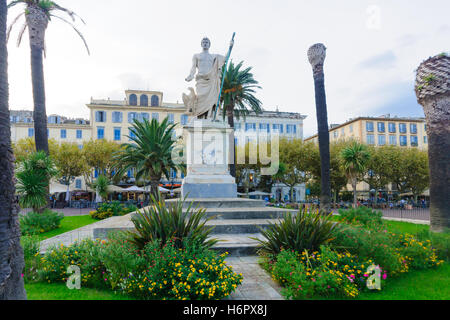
[[188, 79]]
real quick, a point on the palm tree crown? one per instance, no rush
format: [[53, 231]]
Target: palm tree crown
[[356, 157], [149, 152], [238, 92]]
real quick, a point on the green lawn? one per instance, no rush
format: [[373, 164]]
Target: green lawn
[[430, 284], [68, 224], [59, 291]]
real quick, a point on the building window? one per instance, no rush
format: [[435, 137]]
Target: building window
[[413, 128], [79, 134], [370, 139], [144, 100], [100, 133], [145, 116], [133, 100], [351, 128], [391, 126], [250, 127], [171, 118], [30, 132], [403, 141], [155, 116], [278, 127], [414, 141], [237, 126], [264, 127], [117, 117], [100, 116], [402, 127], [425, 139], [381, 127], [117, 134], [393, 140], [78, 184], [95, 173], [184, 119], [425, 127], [381, 140], [63, 133], [369, 126], [155, 101], [131, 134], [291, 128], [335, 134], [131, 116]]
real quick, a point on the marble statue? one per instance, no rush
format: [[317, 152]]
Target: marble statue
[[207, 70]]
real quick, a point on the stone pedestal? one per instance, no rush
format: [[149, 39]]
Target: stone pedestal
[[208, 155]]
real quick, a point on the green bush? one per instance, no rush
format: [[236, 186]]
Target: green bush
[[439, 241], [161, 223], [31, 247], [305, 230], [361, 216], [321, 274], [156, 272], [110, 209], [35, 223]]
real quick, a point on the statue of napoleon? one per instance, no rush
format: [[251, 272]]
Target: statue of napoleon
[[202, 102]]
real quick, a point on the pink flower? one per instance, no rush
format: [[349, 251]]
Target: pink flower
[[384, 276], [366, 275]]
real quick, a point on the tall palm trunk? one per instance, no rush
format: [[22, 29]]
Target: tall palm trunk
[[37, 22], [316, 56], [433, 93], [11, 253], [154, 183], [355, 197], [230, 116]]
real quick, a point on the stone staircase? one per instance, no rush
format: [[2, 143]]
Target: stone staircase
[[235, 222]]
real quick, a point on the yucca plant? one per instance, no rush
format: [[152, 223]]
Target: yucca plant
[[164, 223], [101, 187], [305, 230]]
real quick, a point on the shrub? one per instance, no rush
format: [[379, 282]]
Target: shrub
[[31, 247], [321, 274], [439, 241], [305, 230], [109, 209], [361, 216], [35, 223], [188, 273], [161, 223]]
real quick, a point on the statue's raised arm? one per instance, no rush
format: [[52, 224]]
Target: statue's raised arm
[[193, 69]]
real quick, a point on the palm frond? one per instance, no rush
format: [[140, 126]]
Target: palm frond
[[76, 30], [8, 32]]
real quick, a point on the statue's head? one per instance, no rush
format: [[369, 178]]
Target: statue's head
[[206, 43]]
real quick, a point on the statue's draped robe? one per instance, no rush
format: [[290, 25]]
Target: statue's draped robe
[[207, 89]]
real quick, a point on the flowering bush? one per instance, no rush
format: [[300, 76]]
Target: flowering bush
[[109, 209], [167, 272], [361, 216], [326, 274]]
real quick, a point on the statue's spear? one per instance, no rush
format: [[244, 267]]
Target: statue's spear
[[224, 74]]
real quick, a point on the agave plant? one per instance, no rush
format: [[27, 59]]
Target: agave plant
[[306, 230], [159, 222]]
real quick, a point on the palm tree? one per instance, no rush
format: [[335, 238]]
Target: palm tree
[[101, 187], [149, 153], [37, 15], [432, 91], [355, 159], [11, 253], [33, 176], [238, 97], [316, 56]]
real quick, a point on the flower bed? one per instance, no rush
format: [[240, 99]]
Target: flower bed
[[115, 208], [156, 272]]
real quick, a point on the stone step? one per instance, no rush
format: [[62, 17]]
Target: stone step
[[221, 203], [246, 213], [238, 226], [237, 245]]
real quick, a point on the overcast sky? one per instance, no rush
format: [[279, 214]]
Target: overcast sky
[[373, 49]]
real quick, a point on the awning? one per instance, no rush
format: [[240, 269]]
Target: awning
[[134, 189]]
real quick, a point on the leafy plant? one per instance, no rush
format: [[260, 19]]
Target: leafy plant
[[162, 223], [34, 223], [361, 215], [33, 176], [306, 230], [101, 186]]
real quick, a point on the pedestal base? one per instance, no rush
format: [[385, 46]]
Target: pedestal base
[[209, 190]]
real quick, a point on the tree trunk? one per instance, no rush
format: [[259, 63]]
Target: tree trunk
[[11, 253], [432, 90], [316, 55], [230, 116], [154, 183], [37, 23], [355, 197]]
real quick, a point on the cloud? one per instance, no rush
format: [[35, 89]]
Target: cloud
[[385, 60]]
